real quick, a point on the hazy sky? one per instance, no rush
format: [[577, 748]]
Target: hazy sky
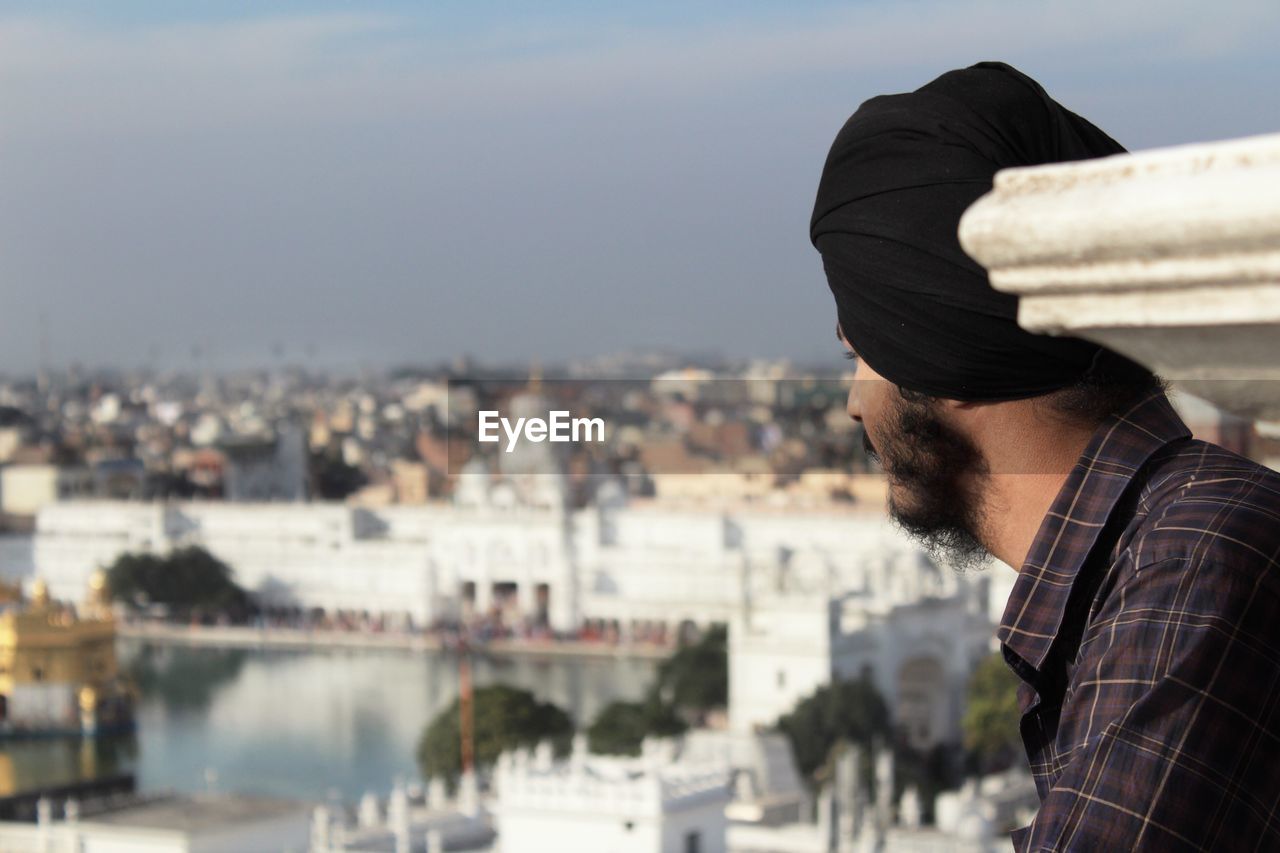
[[383, 181]]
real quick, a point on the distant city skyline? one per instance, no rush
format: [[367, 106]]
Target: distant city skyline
[[297, 182]]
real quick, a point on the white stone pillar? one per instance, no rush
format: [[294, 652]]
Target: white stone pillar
[[428, 609], [469, 794], [437, 794], [398, 818], [845, 789], [527, 598], [484, 596], [368, 814], [884, 786], [827, 818], [44, 820], [320, 840]]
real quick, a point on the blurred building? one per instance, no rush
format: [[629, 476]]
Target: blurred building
[[25, 489], [1209, 423], [58, 672], [209, 823], [119, 478], [649, 804], [767, 789], [265, 468], [16, 430], [816, 593], [411, 482], [917, 644]]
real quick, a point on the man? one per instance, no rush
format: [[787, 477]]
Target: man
[[1144, 624]]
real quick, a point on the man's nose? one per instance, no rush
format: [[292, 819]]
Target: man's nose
[[853, 406]]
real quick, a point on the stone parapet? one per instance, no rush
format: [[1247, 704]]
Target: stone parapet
[[608, 785], [1170, 256]]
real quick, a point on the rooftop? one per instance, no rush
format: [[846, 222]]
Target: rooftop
[[198, 814]]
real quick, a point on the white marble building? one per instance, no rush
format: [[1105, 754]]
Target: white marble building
[[915, 629], [650, 804], [624, 563], [267, 467], [810, 595]]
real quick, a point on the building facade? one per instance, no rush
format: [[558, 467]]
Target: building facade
[[650, 804], [809, 596], [58, 671]]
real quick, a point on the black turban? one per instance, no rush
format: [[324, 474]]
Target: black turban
[[911, 302]]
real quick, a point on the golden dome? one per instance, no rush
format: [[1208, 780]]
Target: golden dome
[[39, 593]]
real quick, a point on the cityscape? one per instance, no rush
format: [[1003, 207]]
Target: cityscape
[[421, 427], [731, 526], [275, 596]]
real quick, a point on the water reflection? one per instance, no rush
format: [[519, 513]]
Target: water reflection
[[47, 762], [298, 724], [179, 677]]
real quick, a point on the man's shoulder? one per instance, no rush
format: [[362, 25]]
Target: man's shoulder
[[1200, 501]]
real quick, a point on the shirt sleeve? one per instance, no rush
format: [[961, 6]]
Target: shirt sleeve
[[1175, 710]]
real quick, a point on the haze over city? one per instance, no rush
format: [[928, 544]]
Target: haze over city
[[255, 183]]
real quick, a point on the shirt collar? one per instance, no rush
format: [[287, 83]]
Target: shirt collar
[[1114, 455]]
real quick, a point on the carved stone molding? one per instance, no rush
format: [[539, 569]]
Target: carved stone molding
[[1171, 256]]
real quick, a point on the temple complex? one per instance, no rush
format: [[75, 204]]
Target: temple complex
[[58, 671]]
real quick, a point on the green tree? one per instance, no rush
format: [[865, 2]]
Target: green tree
[[991, 716], [691, 682], [844, 710], [187, 580], [696, 678], [620, 727], [930, 771], [503, 718]]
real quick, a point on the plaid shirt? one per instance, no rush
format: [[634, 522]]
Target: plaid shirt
[[1145, 629]]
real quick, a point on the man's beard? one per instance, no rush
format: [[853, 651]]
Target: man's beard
[[938, 472]]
